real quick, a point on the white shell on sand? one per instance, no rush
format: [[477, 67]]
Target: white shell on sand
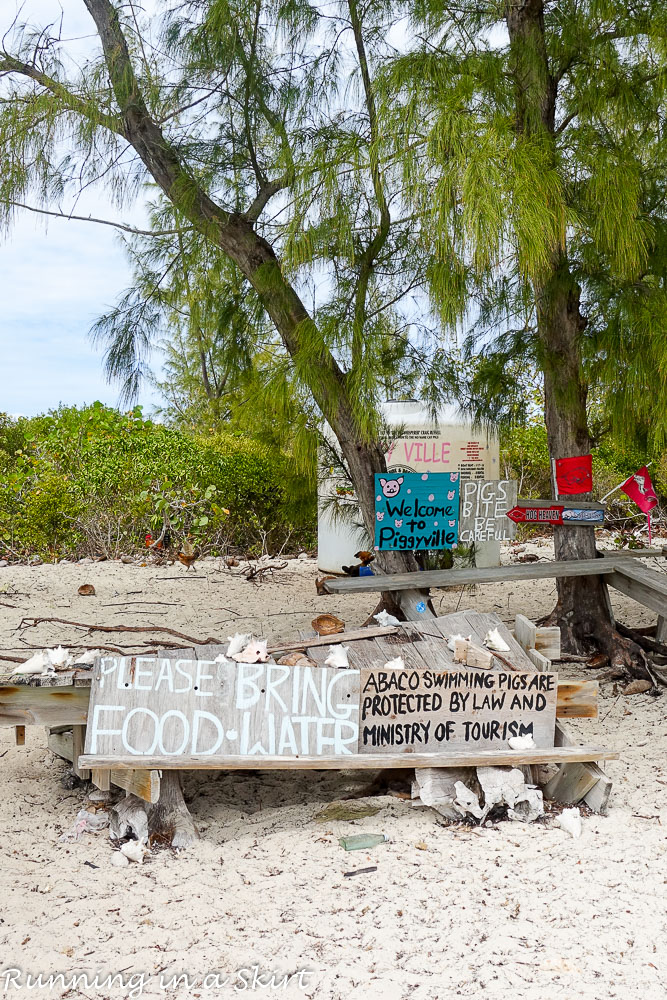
[[570, 821], [119, 860], [396, 664], [134, 850]]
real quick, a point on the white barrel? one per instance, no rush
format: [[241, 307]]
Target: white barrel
[[422, 444]]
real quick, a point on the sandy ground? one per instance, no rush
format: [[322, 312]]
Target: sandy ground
[[509, 911]]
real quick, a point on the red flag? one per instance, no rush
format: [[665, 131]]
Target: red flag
[[574, 475], [640, 490]]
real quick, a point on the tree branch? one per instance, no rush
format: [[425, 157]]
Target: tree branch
[[99, 222], [265, 193]]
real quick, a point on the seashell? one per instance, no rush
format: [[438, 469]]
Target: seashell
[[384, 618], [38, 663], [221, 658], [86, 658], [59, 658], [254, 652], [296, 659], [237, 642], [521, 742], [451, 642], [494, 640], [86, 590], [570, 821], [337, 657], [396, 664], [134, 850], [327, 624], [119, 860]]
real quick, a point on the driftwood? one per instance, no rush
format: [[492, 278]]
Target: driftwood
[[208, 641]]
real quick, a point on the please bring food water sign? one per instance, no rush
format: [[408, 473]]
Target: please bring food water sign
[[416, 511]]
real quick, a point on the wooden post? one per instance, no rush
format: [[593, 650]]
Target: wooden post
[[20, 735], [78, 740]]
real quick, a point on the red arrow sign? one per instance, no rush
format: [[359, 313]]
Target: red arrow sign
[[537, 515]]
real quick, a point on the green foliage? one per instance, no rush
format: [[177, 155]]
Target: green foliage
[[94, 480]]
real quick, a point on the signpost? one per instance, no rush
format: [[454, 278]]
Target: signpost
[[416, 511], [556, 512], [484, 504]]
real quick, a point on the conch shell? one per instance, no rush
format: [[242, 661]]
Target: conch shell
[[337, 657], [254, 652], [327, 624]]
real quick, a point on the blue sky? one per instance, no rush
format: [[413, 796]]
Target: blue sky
[[57, 278]]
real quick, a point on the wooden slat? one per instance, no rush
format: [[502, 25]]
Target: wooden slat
[[642, 585], [569, 503], [597, 798], [570, 784], [25, 705], [444, 578], [141, 781], [547, 641], [19, 736], [539, 661], [577, 700], [525, 632], [328, 640], [78, 740], [260, 762], [100, 776]]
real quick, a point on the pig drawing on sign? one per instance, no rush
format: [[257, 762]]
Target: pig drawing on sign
[[391, 487]]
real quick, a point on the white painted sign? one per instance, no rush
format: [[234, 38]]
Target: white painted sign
[[483, 508]]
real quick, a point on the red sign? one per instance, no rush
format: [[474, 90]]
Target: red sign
[[537, 515], [574, 475]]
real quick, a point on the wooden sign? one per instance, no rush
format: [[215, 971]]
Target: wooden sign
[[484, 504], [556, 512], [429, 710], [416, 511], [174, 711]]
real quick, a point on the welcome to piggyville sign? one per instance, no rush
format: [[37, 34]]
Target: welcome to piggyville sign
[[416, 511]]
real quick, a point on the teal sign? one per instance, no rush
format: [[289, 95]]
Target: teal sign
[[416, 511]]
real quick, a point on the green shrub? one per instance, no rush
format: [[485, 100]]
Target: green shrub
[[93, 480]]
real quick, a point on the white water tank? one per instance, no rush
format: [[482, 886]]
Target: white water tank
[[447, 444]]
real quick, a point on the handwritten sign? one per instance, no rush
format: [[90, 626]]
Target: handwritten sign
[[145, 706], [158, 707], [484, 506], [430, 711], [416, 511]]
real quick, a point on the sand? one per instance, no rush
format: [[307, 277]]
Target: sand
[[508, 911]]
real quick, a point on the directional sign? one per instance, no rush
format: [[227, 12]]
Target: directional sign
[[555, 513]]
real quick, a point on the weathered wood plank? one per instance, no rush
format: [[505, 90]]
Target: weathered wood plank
[[24, 705], [547, 641], [19, 736], [329, 640], [444, 578], [577, 700], [570, 784], [539, 661], [525, 632], [100, 777], [78, 740], [597, 798], [480, 758], [141, 781], [642, 585]]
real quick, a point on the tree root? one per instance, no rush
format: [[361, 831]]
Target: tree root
[[169, 819]]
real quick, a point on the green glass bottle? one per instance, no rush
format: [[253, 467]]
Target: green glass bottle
[[362, 841]]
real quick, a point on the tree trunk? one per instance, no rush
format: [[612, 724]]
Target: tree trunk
[[583, 610], [169, 819]]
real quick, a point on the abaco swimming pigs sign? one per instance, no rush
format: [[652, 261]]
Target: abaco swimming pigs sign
[[416, 511]]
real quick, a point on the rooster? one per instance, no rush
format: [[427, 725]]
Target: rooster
[[365, 557], [189, 555]]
